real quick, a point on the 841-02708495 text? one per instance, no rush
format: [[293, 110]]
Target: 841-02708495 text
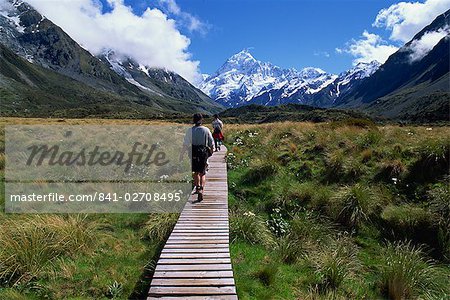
[[99, 197]]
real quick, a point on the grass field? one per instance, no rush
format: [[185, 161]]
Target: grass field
[[340, 210], [318, 211]]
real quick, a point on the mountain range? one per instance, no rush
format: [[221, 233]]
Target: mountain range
[[401, 88], [243, 80], [44, 72]]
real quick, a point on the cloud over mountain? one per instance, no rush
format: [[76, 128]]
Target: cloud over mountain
[[403, 20], [151, 38]]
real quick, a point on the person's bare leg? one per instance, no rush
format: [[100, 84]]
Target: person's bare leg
[[197, 180], [202, 180]]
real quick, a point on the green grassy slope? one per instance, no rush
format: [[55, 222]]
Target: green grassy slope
[[338, 211]]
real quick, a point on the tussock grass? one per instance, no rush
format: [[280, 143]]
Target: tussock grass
[[159, 226], [267, 274], [334, 264], [439, 197], [352, 205], [29, 247], [250, 228], [363, 177], [406, 274]]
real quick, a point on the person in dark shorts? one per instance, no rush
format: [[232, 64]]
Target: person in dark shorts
[[198, 141], [217, 132]]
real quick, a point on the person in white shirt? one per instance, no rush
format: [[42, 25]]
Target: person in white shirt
[[217, 125]]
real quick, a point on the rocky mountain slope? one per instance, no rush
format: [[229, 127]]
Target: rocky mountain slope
[[34, 38]]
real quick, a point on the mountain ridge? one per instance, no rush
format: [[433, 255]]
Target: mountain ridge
[[39, 41], [244, 80]]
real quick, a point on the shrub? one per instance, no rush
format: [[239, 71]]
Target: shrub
[[356, 122], [408, 221], [333, 265], [406, 274], [352, 205], [433, 162], [390, 171], [29, 246], [159, 226], [267, 274], [259, 173], [277, 223], [439, 197], [249, 228]]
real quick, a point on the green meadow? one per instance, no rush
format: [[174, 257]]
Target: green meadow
[[337, 210]]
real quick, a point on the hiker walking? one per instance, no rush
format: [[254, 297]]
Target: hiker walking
[[198, 141], [217, 132]]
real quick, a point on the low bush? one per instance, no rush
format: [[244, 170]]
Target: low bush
[[159, 226], [351, 206], [29, 246], [249, 228], [258, 174], [406, 274], [408, 221], [267, 274]]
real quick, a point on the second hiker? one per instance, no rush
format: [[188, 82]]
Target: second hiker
[[217, 125]]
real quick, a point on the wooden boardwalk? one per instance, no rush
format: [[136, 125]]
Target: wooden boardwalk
[[195, 262]]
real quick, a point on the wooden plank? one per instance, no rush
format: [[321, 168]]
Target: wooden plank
[[210, 297], [205, 267], [181, 246], [210, 237], [197, 250], [195, 255], [198, 242], [192, 290], [193, 282], [192, 261], [193, 274]]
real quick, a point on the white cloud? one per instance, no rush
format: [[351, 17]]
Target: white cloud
[[420, 48], [322, 53], [369, 48], [151, 39], [405, 19], [185, 19]]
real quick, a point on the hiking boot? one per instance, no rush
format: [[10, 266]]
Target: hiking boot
[[200, 197]]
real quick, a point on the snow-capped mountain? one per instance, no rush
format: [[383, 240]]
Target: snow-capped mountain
[[244, 80], [344, 83], [242, 77]]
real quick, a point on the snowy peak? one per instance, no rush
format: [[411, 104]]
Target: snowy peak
[[242, 79]]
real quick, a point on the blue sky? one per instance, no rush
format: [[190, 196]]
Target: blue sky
[[193, 36], [288, 33]]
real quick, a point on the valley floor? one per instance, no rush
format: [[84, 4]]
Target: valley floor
[[333, 210]]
